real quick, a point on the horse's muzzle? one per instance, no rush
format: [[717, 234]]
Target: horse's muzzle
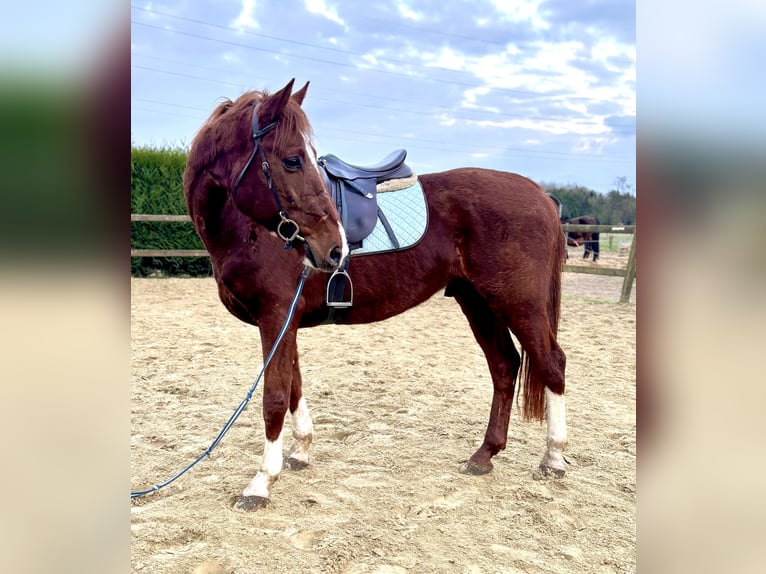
[[328, 264]]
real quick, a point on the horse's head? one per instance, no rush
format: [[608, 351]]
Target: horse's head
[[573, 240], [259, 148]]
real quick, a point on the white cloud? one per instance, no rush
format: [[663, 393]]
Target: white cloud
[[408, 13], [556, 127], [246, 18], [149, 11], [446, 58], [542, 68], [522, 11], [445, 120], [513, 70], [320, 7], [470, 97], [606, 48], [593, 145], [555, 61], [230, 57]]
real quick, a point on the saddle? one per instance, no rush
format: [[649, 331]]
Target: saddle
[[353, 188]]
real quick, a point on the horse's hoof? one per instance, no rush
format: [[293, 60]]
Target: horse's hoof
[[294, 464], [470, 467], [546, 471], [251, 503]]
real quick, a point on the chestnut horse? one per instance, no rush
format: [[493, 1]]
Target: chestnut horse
[[587, 238], [493, 242]]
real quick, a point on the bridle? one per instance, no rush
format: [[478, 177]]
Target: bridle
[[287, 229]]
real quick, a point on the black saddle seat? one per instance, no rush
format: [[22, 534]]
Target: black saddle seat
[[390, 167]]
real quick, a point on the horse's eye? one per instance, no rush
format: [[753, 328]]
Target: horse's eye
[[292, 163]]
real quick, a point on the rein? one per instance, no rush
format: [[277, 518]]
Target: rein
[[287, 229], [243, 404]]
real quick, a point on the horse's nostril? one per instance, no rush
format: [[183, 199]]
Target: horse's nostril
[[335, 255]]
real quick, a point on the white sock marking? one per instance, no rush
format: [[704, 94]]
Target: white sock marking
[[555, 414], [303, 432], [271, 466]]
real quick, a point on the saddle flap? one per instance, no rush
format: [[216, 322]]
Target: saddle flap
[[360, 209], [356, 204]]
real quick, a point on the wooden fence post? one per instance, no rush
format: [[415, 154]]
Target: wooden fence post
[[630, 272]]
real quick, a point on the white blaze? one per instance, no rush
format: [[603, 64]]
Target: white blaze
[[310, 151], [312, 155], [344, 244]]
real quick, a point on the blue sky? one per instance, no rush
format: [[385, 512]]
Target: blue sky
[[545, 88]]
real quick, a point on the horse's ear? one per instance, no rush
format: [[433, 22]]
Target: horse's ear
[[272, 106], [300, 94]]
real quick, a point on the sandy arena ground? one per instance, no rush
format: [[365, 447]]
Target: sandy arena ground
[[394, 416]]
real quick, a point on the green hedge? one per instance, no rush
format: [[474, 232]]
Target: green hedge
[[156, 187]]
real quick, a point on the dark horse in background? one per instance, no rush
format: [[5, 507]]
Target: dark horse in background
[[589, 239], [493, 242]]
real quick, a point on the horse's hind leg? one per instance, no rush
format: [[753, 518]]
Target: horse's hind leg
[[504, 361], [544, 383], [596, 246], [303, 427], [553, 462], [587, 246]]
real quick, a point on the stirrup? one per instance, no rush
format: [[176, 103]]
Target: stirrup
[[336, 288]]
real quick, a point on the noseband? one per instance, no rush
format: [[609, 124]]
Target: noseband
[[287, 229]]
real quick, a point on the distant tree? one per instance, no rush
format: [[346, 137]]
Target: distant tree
[[616, 207], [621, 185]]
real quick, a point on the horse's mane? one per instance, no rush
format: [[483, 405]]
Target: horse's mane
[[229, 128]]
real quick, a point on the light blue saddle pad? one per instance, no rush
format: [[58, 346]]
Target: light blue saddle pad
[[407, 213]]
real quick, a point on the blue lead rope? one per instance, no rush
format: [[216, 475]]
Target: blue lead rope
[[243, 404]]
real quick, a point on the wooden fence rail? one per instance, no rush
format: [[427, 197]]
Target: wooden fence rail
[[143, 217], [629, 273], [627, 229]]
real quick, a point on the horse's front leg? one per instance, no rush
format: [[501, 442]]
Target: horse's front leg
[[303, 427], [276, 398]]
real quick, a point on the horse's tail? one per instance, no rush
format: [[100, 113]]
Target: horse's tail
[[533, 388]]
